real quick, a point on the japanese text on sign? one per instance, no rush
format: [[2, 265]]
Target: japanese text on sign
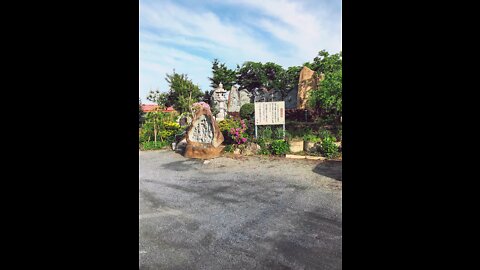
[[270, 113]]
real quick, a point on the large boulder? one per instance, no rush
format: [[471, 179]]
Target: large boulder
[[203, 136], [306, 82], [233, 104]]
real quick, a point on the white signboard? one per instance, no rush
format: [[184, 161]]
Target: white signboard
[[270, 113]]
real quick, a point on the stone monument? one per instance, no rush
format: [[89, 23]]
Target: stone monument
[[234, 104], [219, 102], [203, 136], [245, 97], [306, 82]]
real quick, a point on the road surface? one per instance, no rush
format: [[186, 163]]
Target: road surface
[[248, 213]]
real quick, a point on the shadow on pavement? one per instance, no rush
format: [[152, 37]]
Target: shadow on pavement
[[183, 165], [330, 168]]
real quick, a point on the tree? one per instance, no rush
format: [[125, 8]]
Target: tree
[[251, 76], [326, 63], [207, 96], [222, 74], [160, 98], [328, 96], [183, 93], [255, 75], [155, 119]]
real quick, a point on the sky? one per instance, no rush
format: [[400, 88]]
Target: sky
[[186, 35]]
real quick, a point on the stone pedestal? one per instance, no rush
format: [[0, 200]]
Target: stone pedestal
[[202, 151]]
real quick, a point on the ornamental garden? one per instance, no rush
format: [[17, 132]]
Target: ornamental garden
[[304, 101]]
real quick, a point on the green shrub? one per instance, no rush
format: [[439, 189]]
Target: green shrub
[[150, 145], [228, 123], [328, 147], [264, 151], [323, 134], [247, 111], [167, 128], [265, 133], [339, 134], [278, 133], [229, 148], [146, 133], [280, 147], [311, 138]]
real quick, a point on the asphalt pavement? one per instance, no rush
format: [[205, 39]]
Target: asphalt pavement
[[250, 213]]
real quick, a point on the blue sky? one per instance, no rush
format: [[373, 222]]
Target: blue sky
[[186, 35]]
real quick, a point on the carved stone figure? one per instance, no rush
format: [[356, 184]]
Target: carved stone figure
[[203, 136]]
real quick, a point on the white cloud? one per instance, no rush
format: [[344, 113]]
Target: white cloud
[[187, 39]]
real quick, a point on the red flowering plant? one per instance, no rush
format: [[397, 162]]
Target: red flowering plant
[[238, 135]]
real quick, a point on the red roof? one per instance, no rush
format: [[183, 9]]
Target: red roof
[[151, 107]]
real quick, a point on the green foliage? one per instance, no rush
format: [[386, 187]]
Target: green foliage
[[222, 74], [250, 127], [247, 111], [160, 98], [311, 138], [225, 126], [328, 147], [265, 133], [153, 146], [183, 93], [280, 147], [207, 96], [324, 134], [328, 95], [169, 129], [140, 112], [146, 132], [271, 141], [326, 63], [339, 134], [159, 125], [229, 148], [264, 151], [255, 75], [228, 123], [251, 76], [278, 134]]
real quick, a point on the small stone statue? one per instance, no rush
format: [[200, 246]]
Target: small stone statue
[[219, 102]]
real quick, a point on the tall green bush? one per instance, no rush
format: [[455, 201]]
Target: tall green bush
[[328, 148], [247, 111], [280, 147]]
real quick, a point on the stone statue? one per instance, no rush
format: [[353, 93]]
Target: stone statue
[[219, 102]]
